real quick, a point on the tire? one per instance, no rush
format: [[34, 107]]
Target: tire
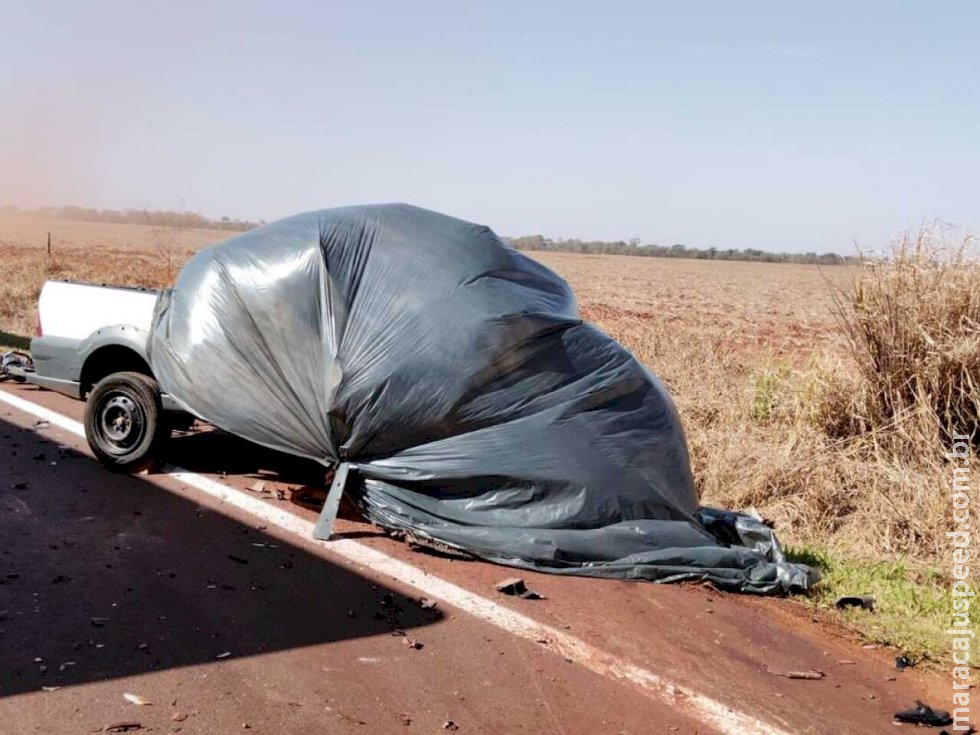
[[124, 422]]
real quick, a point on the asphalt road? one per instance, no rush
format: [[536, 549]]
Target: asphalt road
[[148, 586]]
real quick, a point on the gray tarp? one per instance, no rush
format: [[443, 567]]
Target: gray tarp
[[455, 379]]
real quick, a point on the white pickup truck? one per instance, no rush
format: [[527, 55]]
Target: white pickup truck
[[90, 343]]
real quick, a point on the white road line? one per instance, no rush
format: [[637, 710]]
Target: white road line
[[699, 706]]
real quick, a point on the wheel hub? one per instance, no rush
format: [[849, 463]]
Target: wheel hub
[[121, 421]]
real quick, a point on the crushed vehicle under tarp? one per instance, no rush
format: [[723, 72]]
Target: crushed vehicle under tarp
[[452, 382]]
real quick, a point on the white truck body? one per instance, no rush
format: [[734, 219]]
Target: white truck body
[[77, 310], [86, 332]]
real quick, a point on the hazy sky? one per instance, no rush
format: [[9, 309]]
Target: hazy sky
[[733, 124]]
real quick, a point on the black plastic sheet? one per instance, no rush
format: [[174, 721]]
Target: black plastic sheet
[[455, 379]]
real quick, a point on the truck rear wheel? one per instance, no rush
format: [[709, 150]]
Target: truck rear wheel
[[124, 422]]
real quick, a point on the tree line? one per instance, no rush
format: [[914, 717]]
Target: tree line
[[635, 247], [167, 218], [155, 217]]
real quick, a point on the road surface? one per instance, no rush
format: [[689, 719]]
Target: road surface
[[228, 617]]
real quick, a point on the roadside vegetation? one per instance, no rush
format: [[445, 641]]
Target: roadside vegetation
[[824, 399], [539, 243]]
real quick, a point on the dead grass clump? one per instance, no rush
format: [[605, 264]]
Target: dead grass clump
[[912, 324]]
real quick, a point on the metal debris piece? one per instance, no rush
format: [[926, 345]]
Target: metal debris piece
[[811, 674], [225, 654], [122, 727], [865, 601], [136, 699], [923, 714], [516, 588]]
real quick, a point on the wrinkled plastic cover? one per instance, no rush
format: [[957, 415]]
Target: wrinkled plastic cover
[[454, 376]]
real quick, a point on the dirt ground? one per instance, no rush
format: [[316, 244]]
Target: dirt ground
[[113, 585]]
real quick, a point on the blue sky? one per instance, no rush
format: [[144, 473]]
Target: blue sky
[[755, 124]]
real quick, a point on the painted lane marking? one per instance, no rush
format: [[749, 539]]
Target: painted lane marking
[[699, 706]]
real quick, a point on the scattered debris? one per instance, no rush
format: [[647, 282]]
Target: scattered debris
[[99, 622], [903, 662], [179, 716], [42, 424], [121, 727], [450, 725], [812, 674], [136, 699], [923, 714], [19, 486], [237, 559], [864, 601], [516, 588], [258, 487], [225, 654], [412, 643], [426, 604], [406, 720], [50, 689]]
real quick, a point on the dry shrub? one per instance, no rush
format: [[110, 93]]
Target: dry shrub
[[912, 322], [850, 450]]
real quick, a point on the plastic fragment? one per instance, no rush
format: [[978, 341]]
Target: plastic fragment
[[923, 714], [516, 587]]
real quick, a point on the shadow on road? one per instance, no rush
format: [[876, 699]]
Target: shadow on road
[[105, 576]]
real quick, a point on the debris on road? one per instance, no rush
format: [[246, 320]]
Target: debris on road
[[99, 622], [515, 587], [179, 716], [237, 559], [426, 604], [450, 725], [812, 674], [863, 601], [258, 487], [121, 727], [412, 643], [923, 714], [50, 689], [136, 699], [225, 654]]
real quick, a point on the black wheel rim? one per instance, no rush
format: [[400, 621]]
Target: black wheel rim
[[120, 422]]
